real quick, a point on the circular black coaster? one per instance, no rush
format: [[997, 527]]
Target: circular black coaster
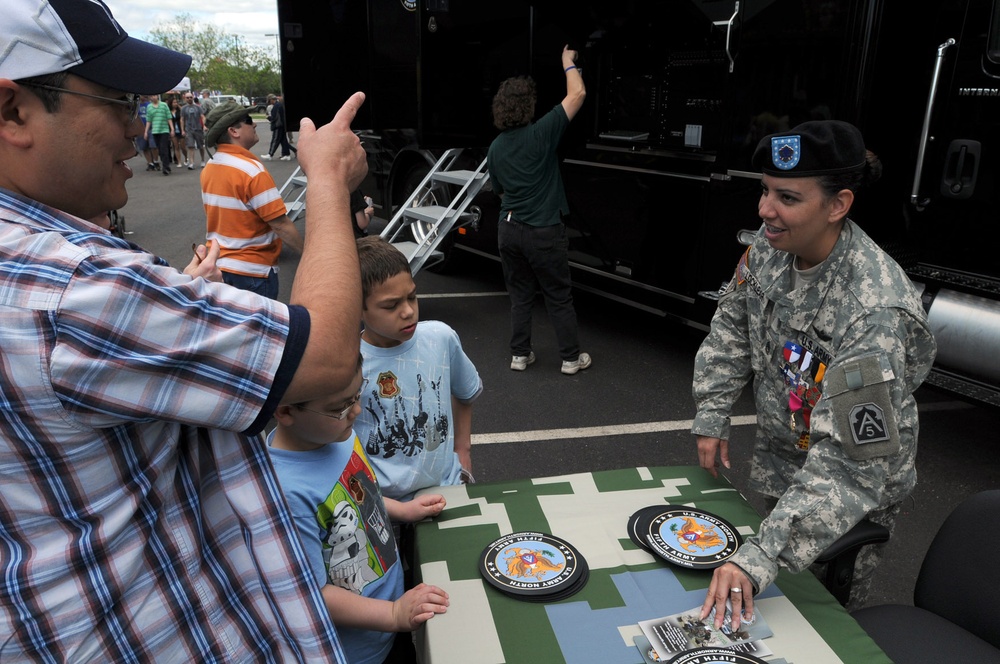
[[534, 566], [691, 537], [714, 656], [638, 525], [562, 593]]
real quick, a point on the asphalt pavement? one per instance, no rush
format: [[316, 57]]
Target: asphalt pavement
[[631, 408]]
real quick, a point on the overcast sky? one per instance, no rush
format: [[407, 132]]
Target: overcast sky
[[250, 20]]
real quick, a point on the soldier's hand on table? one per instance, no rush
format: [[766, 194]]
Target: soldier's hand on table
[[418, 605], [729, 582], [708, 447]]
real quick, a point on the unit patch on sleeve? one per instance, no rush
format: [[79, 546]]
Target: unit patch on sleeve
[[744, 275], [860, 397], [868, 424]]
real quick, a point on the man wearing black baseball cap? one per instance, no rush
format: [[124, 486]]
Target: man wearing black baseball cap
[[141, 518]]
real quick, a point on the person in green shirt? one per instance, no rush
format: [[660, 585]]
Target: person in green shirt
[[524, 172], [160, 126]]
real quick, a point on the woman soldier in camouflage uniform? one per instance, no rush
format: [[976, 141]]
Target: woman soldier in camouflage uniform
[[833, 334]]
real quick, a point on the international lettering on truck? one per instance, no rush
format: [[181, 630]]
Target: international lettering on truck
[[657, 164]]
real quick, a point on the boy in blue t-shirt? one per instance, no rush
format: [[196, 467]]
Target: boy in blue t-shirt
[[416, 419], [343, 524]]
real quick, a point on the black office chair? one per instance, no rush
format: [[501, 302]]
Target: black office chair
[[955, 612], [840, 557]]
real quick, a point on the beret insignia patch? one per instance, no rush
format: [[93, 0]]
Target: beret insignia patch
[[785, 152]]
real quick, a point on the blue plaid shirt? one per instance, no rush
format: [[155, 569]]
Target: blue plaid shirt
[[140, 518]]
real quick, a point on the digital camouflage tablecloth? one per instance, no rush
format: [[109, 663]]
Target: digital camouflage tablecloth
[[626, 584]]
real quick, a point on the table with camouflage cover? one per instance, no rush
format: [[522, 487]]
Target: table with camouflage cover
[[626, 585]]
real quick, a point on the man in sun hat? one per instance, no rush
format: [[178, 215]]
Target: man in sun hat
[[245, 214], [141, 519]]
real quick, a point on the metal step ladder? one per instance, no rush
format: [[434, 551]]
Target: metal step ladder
[[428, 221], [293, 192]]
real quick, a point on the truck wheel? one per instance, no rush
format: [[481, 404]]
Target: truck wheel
[[439, 194]]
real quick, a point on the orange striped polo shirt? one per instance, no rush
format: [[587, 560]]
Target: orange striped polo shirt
[[240, 197]]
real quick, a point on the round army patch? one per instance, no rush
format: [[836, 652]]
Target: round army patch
[[534, 566], [691, 537], [715, 656], [638, 525]]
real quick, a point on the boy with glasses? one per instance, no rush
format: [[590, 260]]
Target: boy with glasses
[[344, 525], [245, 214]]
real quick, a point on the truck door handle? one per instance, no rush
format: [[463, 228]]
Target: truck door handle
[[729, 32], [961, 169], [914, 193]]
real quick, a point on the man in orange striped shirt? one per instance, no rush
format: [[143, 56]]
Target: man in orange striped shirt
[[245, 212]]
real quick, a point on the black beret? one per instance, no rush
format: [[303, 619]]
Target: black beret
[[821, 147]]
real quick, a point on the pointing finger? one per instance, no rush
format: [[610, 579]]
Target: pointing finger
[[345, 116]]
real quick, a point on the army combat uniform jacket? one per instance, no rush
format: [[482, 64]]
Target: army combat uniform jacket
[[834, 365]]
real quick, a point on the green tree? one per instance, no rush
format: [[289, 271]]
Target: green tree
[[252, 71], [219, 60]]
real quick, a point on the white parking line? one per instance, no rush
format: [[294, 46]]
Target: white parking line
[[643, 427], [594, 432]]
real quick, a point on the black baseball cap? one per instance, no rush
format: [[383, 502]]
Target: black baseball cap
[[39, 37]]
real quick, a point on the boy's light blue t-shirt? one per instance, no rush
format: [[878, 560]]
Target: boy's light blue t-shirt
[[406, 425], [344, 528]]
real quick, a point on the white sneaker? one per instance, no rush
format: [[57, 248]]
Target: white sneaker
[[521, 362], [190, 167], [286, 158], [266, 157], [581, 362]]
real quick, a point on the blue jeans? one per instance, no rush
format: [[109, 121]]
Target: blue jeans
[[266, 286], [536, 258]]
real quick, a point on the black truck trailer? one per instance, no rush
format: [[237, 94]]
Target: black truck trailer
[[657, 164]]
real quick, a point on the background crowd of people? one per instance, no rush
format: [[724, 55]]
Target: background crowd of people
[[181, 127]]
